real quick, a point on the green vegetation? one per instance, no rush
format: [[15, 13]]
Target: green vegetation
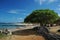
[[57, 21], [45, 16], [2, 35]]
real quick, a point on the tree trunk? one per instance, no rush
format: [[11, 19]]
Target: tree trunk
[[41, 24], [51, 25]]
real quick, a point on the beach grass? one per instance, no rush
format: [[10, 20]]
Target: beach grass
[[2, 35]]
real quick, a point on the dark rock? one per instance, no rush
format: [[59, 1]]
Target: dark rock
[[58, 31], [47, 35], [43, 30], [5, 31], [36, 28], [0, 31]]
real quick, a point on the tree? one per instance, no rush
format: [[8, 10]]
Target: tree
[[57, 22], [42, 16]]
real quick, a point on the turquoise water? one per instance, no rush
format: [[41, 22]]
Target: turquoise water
[[10, 26]]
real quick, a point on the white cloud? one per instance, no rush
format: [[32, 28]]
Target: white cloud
[[13, 11], [58, 9], [45, 1], [59, 5], [19, 19], [59, 14], [16, 11], [40, 1], [51, 1]]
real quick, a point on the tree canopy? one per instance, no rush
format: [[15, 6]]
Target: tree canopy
[[42, 16], [57, 21]]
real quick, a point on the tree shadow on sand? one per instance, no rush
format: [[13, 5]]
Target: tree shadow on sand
[[25, 32]]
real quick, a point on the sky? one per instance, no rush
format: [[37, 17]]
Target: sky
[[17, 10]]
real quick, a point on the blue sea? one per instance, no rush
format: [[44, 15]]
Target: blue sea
[[10, 25]]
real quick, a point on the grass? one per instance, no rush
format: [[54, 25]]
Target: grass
[[2, 35]]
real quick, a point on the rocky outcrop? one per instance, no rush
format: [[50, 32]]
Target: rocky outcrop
[[38, 31], [47, 35]]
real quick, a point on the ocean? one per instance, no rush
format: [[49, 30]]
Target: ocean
[[10, 26]]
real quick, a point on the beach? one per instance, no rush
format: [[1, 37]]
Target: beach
[[27, 33], [54, 29], [24, 34], [27, 37]]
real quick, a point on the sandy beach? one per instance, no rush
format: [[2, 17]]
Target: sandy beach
[[21, 37], [28, 37], [24, 34], [28, 34], [54, 29]]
